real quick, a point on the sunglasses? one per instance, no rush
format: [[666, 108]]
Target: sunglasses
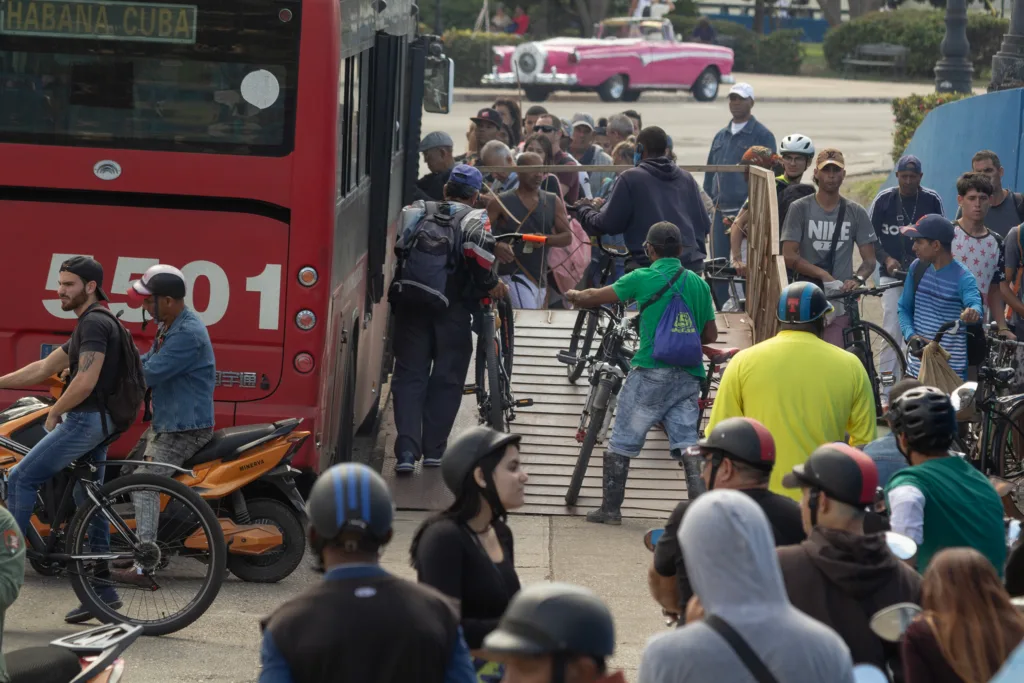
[[544, 129]]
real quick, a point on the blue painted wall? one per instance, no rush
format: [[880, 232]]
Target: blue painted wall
[[814, 29], [951, 134]]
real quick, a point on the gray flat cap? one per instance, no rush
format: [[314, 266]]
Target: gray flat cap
[[436, 139]]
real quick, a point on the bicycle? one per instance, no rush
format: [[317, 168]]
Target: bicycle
[[188, 537], [869, 341], [583, 331], [494, 352], [718, 270]]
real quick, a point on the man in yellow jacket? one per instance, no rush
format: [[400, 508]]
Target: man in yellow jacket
[[804, 390]]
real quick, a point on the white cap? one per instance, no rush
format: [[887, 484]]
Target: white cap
[[744, 90]]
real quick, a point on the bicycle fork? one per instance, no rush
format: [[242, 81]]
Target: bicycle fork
[[606, 380]]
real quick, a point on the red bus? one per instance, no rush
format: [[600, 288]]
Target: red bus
[[265, 147]]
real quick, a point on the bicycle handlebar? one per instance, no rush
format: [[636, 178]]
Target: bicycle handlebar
[[525, 237], [611, 252], [864, 291]]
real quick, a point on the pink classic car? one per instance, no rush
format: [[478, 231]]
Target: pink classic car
[[627, 57]]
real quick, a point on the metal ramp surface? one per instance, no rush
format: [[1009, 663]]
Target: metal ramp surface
[[549, 447]]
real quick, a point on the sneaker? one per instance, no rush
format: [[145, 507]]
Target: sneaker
[[133, 577], [432, 462], [405, 462], [80, 614], [602, 516]]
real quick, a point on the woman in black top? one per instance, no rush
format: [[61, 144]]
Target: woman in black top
[[466, 551]]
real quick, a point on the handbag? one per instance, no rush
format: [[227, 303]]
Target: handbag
[[568, 265], [749, 658], [831, 258]]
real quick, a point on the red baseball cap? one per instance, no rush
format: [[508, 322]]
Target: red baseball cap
[[841, 471]]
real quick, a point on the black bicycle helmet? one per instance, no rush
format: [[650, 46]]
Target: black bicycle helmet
[[465, 453], [841, 471], [350, 497], [802, 302], [739, 438], [925, 416], [559, 619]]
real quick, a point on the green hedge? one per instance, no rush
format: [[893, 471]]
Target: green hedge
[[921, 31], [779, 52], [910, 112], [473, 54], [744, 41]]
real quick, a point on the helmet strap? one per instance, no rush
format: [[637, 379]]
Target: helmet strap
[[812, 505], [716, 462], [904, 453], [559, 664]]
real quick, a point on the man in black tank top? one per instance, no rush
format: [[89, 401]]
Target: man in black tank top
[[361, 624]]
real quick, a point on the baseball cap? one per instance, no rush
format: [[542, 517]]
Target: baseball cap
[[744, 90], [664, 234], [908, 162], [161, 280], [436, 139], [830, 155], [89, 269], [931, 226], [583, 120], [489, 115], [467, 175], [843, 472]]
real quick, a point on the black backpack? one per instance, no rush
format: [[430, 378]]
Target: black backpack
[[130, 390], [428, 255]]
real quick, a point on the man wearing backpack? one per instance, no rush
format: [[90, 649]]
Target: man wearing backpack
[[81, 422], [445, 266], [181, 372], [1005, 208], [676, 318]]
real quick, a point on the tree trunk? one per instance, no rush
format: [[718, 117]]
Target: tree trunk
[[832, 10], [759, 17], [590, 12], [859, 8]]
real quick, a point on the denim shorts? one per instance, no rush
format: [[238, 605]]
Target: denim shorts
[[650, 396]]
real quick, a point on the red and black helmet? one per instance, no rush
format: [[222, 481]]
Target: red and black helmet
[[842, 472], [744, 439]]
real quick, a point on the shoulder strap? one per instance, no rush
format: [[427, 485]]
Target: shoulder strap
[[742, 650], [661, 292], [1018, 201], [919, 272], [830, 261]]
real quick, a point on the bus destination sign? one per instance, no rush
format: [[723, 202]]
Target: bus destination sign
[[99, 19]]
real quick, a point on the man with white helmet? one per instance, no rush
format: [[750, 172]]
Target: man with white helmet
[[181, 373]]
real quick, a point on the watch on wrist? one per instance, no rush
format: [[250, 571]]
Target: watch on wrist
[[860, 279]]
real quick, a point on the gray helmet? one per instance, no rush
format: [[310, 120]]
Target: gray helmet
[[350, 497], [924, 415], [466, 452], [554, 619]]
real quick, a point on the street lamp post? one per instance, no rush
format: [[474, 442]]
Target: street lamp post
[[953, 72], [1008, 63]]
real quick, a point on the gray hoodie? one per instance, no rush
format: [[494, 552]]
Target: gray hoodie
[[730, 556]]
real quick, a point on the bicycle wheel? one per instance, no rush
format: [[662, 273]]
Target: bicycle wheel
[[580, 342], [187, 558], [597, 415], [1007, 444], [490, 394], [886, 372]]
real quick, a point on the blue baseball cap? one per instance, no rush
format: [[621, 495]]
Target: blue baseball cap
[[931, 227], [908, 162], [467, 175]]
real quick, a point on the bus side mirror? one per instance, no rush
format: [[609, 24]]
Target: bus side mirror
[[438, 84]]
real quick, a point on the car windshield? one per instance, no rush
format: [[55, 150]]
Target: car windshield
[[618, 28]]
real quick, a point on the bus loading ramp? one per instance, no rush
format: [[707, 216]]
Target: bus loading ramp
[[549, 448]]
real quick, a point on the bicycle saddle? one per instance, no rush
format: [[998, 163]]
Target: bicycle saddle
[[719, 356]]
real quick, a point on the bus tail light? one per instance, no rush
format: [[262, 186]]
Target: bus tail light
[[305, 319], [308, 276], [303, 363]]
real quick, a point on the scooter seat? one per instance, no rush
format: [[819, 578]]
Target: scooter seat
[[226, 441]]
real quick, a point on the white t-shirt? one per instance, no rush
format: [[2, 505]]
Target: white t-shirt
[[737, 127], [983, 256], [638, 13]]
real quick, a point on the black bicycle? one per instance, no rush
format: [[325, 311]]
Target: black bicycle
[[719, 270], [583, 331], [870, 343], [495, 346]]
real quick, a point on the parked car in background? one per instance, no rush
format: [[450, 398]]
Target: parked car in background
[[625, 58]]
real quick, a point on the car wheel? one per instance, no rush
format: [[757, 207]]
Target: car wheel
[[705, 89], [613, 89], [536, 94], [631, 95]]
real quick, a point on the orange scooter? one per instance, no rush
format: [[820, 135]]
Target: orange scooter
[[243, 473]]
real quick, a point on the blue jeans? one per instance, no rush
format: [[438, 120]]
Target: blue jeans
[[650, 396], [887, 457], [79, 435]]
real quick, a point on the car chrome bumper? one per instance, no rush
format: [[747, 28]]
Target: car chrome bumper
[[546, 78], [728, 79]]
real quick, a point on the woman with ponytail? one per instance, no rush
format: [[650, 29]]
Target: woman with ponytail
[[466, 551]]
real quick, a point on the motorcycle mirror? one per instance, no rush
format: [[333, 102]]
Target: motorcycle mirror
[[901, 546], [1012, 533], [651, 538], [963, 394], [890, 623], [1018, 603], [869, 673]]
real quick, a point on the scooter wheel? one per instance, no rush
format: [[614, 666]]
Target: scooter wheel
[[276, 564]]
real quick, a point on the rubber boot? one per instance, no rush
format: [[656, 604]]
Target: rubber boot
[[616, 471], [693, 465]]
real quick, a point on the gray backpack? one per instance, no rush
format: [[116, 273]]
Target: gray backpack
[[428, 255]]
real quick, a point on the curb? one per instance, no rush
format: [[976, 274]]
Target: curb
[[490, 96]]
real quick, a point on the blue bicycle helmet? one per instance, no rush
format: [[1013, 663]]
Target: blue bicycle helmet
[[802, 302], [351, 498]]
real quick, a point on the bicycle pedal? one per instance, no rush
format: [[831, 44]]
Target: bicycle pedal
[[567, 358], [524, 403], [469, 389]]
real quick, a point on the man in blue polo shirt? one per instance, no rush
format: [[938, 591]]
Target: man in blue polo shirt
[[944, 292]]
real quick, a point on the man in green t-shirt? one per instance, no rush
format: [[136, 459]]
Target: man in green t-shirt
[[941, 501], [12, 572], [653, 391]]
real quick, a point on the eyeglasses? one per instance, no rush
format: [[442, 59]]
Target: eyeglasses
[[544, 129]]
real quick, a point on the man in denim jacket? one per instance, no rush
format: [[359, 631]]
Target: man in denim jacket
[[181, 372]]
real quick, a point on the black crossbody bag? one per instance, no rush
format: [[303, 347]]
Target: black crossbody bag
[[747, 656]]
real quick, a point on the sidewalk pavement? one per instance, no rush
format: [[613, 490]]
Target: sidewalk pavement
[[767, 88]]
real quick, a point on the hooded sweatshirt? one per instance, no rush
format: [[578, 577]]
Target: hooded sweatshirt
[[841, 579], [730, 556], [656, 190]]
